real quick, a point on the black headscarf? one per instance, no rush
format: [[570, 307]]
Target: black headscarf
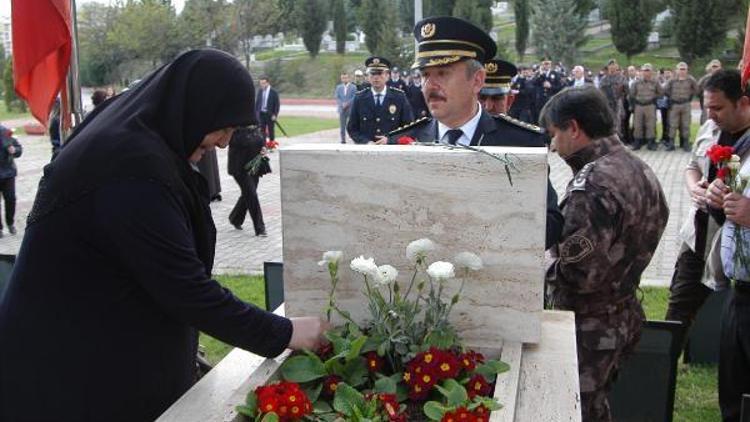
[[148, 133]]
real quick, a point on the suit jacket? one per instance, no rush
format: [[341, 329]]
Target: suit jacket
[[272, 106], [496, 131], [245, 145], [417, 102], [367, 121], [344, 96]]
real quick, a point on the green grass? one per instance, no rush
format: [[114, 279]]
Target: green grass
[[7, 115], [247, 288], [296, 126], [696, 397], [275, 54]]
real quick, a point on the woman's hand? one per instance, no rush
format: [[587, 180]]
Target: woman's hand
[[307, 333]]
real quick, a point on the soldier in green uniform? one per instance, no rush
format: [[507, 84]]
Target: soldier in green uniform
[[680, 91], [643, 95], [378, 109]]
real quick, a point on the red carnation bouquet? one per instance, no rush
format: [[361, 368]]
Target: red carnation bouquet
[[406, 362], [271, 145], [405, 140], [722, 157]]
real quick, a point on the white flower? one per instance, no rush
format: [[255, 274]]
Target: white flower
[[735, 158], [365, 266], [388, 275], [331, 257], [469, 261], [441, 270], [419, 248]]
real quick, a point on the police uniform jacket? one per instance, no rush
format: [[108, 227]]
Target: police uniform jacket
[[367, 121], [417, 102]]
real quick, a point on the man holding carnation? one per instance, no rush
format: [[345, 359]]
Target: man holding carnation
[[612, 228], [728, 104]]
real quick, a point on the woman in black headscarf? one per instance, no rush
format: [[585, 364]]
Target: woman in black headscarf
[[99, 319]]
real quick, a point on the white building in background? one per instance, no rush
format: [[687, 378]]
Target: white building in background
[[6, 35]]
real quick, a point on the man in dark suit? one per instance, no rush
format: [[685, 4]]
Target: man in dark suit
[[378, 109], [396, 81], [548, 82], [524, 96], [416, 99], [267, 106], [450, 55], [247, 144]]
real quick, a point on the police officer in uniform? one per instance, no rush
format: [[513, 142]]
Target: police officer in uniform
[[612, 228], [494, 93], [643, 95], [396, 81], [378, 109], [523, 101], [450, 56], [416, 99]]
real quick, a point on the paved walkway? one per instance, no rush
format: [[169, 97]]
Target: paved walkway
[[240, 252]]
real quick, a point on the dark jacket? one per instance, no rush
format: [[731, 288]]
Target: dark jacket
[[7, 160], [367, 121], [417, 102], [245, 145], [272, 106]]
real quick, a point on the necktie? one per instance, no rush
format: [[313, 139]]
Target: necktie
[[377, 99], [453, 135]]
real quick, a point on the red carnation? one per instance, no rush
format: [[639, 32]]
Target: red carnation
[[722, 173], [405, 140], [719, 154]]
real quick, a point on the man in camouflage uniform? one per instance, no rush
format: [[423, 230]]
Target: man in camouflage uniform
[[612, 228], [643, 95], [615, 86], [680, 91]]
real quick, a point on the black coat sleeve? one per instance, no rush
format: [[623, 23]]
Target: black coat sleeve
[[554, 218], [151, 236]]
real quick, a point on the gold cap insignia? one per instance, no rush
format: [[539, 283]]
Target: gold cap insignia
[[490, 67], [427, 30], [392, 108], [376, 61]]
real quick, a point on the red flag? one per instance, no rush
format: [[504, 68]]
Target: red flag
[[746, 54], [41, 51]]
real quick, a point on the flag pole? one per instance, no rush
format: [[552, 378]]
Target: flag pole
[[72, 109]]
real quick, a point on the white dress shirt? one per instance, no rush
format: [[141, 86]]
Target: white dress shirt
[[381, 93], [468, 129]]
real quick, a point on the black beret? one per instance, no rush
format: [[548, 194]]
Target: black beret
[[444, 40]]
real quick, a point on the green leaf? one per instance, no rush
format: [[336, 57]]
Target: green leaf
[[248, 411], [347, 399], [355, 372], [303, 369], [402, 392], [385, 385], [334, 366], [434, 410], [251, 399], [371, 344], [355, 347], [383, 348], [454, 392], [491, 368], [312, 391], [322, 407], [270, 417], [490, 403]]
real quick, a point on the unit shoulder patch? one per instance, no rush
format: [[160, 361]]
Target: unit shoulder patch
[[579, 180]]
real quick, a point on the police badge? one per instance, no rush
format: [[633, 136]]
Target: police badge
[[428, 30], [392, 108]]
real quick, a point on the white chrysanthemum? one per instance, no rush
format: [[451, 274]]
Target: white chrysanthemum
[[735, 158], [441, 270], [388, 275], [734, 165], [331, 257], [469, 261], [365, 266], [419, 249]]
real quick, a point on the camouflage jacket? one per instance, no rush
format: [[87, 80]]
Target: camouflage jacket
[[681, 91], [644, 92], [612, 228]]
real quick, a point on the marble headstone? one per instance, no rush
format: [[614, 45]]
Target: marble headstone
[[373, 200]]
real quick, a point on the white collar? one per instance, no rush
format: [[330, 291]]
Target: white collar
[[468, 128], [374, 93]]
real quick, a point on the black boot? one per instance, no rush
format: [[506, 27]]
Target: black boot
[[685, 144], [651, 144], [636, 145], [668, 144]]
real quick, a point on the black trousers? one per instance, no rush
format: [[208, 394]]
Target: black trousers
[[247, 202], [267, 126], [686, 292], [8, 188], [665, 123], [627, 130], [734, 353]]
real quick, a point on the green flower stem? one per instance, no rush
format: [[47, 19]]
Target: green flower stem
[[411, 283], [333, 271]]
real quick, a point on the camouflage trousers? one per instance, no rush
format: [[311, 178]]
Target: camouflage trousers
[[604, 341]]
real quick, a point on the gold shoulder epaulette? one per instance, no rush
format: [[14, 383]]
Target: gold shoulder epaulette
[[519, 123], [397, 89], [410, 125], [362, 90]]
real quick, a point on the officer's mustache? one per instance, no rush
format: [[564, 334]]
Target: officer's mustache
[[436, 96]]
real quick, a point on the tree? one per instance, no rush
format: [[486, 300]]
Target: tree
[[12, 102], [208, 23], [548, 18], [700, 26], [389, 42], [521, 10], [100, 57], [584, 7], [371, 22], [630, 25], [340, 25], [478, 12], [438, 7], [147, 31], [254, 17], [311, 22]]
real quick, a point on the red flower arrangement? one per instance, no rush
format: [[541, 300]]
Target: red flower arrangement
[[285, 399], [480, 414], [271, 145], [405, 140], [374, 362], [429, 368], [719, 154]]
